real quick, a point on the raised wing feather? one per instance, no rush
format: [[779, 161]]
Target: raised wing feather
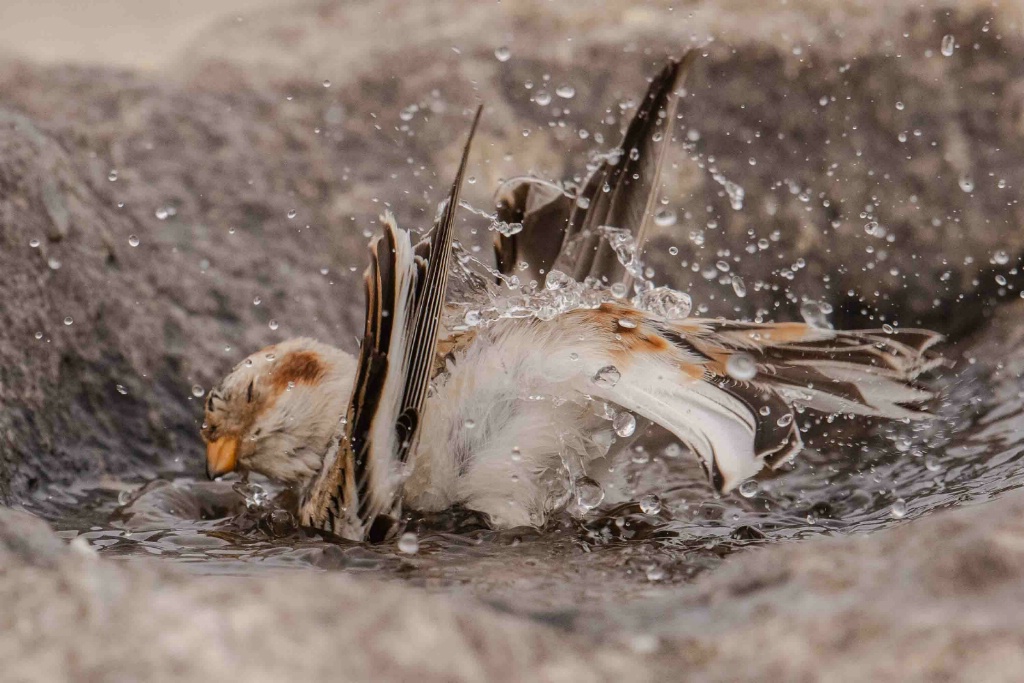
[[356, 493], [558, 232]]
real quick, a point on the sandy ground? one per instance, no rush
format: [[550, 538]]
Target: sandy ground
[[137, 34]]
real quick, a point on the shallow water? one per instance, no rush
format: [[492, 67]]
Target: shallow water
[[853, 477]]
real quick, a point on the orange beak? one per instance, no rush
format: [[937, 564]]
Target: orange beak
[[221, 456]]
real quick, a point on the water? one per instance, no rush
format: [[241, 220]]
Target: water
[[853, 477]]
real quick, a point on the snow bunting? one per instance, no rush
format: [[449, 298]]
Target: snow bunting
[[517, 414]]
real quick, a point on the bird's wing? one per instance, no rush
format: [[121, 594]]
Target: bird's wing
[[357, 489], [728, 390], [563, 233]]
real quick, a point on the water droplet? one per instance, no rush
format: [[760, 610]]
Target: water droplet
[[785, 420], [69, 321], [608, 376], [112, 176], [469, 424], [409, 543], [272, 324], [665, 217], [517, 454], [948, 45], [566, 92], [502, 54], [197, 391], [34, 243], [932, 463], [38, 335], [292, 213], [899, 106], [666, 303], [650, 504], [898, 509], [655, 572], [627, 324], [618, 290], [1000, 258], [121, 389], [133, 240], [749, 488], [739, 286], [543, 98], [162, 213], [583, 203], [53, 264], [123, 497], [741, 367], [256, 301], [327, 83], [589, 494], [815, 314], [624, 424], [556, 280], [966, 183]]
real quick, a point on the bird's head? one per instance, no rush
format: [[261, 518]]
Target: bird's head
[[276, 412]]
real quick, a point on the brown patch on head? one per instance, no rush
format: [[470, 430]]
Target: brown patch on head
[[297, 367]]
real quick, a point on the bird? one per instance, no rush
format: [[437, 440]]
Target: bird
[[516, 416]]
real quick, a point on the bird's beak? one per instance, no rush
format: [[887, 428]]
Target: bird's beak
[[221, 456]]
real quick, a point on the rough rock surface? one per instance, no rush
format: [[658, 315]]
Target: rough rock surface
[[204, 164]]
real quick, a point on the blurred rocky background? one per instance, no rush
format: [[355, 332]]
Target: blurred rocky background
[[179, 188]]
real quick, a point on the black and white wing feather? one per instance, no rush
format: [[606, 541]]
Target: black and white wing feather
[[564, 233], [356, 495]]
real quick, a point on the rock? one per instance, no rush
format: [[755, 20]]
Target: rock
[[79, 619]]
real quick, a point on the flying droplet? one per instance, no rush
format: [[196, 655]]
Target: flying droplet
[[272, 324], [624, 424], [197, 391], [502, 54], [898, 509], [566, 92], [966, 183], [133, 240], [162, 213], [738, 286], [665, 217], [815, 314], [469, 424], [121, 389], [543, 98], [948, 45], [69, 321], [292, 213], [327, 83], [785, 420], [409, 543], [741, 367], [556, 280], [112, 176], [650, 504], [34, 243], [256, 301]]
